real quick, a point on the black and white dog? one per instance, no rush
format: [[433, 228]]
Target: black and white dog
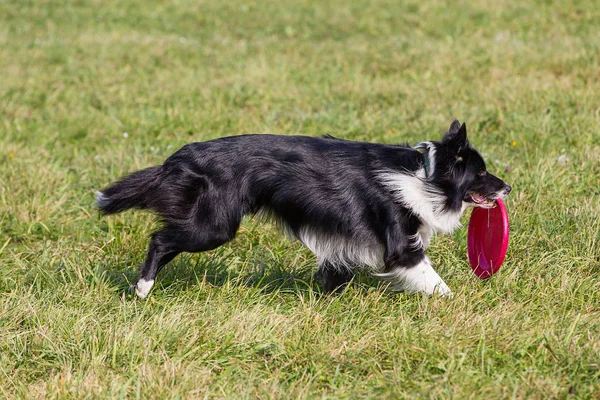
[[354, 205]]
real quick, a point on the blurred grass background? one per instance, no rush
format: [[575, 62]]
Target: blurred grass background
[[90, 90]]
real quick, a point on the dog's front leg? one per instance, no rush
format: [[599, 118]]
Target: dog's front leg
[[409, 269], [421, 278]]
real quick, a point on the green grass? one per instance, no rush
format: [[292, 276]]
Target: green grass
[[246, 320]]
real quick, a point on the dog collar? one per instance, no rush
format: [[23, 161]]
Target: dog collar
[[426, 165], [423, 148]]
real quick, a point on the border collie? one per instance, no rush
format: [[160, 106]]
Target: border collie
[[354, 205]]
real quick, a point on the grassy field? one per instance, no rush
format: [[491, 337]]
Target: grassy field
[[90, 90]]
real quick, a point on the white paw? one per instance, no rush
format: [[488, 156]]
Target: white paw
[[421, 278], [443, 290], [142, 288]]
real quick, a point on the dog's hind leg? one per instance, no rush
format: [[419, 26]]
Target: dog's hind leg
[[161, 250], [166, 244], [334, 278]]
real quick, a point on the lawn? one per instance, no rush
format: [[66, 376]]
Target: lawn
[[91, 90]]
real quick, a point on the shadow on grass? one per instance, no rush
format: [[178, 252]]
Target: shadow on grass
[[220, 268]]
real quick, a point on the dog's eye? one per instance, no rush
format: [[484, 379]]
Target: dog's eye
[[482, 173]]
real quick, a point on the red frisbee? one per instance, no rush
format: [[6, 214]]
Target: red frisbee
[[488, 239]]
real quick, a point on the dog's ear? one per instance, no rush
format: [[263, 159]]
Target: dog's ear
[[454, 126], [456, 136]]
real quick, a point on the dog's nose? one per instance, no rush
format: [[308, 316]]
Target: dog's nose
[[507, 188]]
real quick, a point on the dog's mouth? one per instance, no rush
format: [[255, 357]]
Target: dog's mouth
[[482, 201]]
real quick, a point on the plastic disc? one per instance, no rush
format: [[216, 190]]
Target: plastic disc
[[488, 239]]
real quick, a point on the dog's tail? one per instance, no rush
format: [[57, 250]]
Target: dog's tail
[[136, 190]]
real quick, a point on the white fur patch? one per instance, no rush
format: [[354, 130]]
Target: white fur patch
[[142, 288], [425, 233], [421, 278], [423, 199], [101, 199], [341, 251]]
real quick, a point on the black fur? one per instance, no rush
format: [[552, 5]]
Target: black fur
[[329, 185]]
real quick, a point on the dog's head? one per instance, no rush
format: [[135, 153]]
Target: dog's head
[[462, 173]]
